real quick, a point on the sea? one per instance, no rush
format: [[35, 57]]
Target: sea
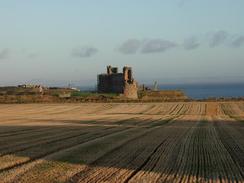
[[204, 91], [201, 91]]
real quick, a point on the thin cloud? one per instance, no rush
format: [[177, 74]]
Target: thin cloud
[[218, 38], [191, 43], [33, 55], [84, 52], [182, 3], [131, 46], [238, 42], [157, 46], [4, 53]]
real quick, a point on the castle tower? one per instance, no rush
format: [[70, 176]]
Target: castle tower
[[112, 70], [115, 82], [127, 72], [109, 70]]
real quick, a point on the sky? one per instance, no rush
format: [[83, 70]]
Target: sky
[[61, 42]]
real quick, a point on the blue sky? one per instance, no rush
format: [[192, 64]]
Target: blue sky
[[172, 41]]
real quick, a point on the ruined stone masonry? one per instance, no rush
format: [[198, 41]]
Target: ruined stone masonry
[[115, 82]]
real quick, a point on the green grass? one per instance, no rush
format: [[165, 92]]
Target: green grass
[[91, 94]]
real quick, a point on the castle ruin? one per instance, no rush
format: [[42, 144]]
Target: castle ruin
[[115, 82]]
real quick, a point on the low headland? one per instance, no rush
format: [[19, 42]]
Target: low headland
[[39, 94], [112, 86]]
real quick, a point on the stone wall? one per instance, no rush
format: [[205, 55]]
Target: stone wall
[[130, 90], [103, 83], [117, 83], [114, 82]]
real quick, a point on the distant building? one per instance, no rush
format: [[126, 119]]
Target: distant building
[[115, 82], [33, 87], [28, 86]]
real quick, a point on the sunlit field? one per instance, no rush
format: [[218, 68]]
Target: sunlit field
[[153, 142]]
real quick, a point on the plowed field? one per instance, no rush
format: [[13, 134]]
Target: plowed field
[[149, 142]]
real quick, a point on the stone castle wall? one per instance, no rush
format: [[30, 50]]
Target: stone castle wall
[[114, 82], [110, 83], [131, 90]]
